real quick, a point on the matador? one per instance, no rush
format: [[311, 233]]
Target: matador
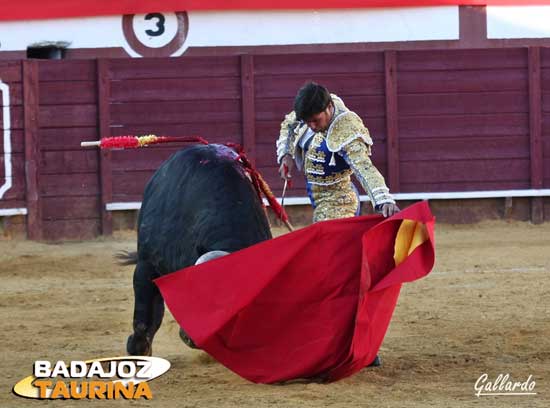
[[330, 143]]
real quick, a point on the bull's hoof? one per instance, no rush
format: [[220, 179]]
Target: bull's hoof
[[187, 340], [139, 345]]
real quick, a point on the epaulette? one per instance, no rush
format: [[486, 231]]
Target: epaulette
[[345, 128]]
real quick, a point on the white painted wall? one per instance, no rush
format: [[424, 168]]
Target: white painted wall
[[234, 28], [6, 138], [518, 22], [249, 28], [322, 27], [88, 32]]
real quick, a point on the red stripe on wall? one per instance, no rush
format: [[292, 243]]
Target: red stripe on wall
[[39, 9]]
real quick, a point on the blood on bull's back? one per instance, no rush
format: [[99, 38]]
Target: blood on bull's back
[[200, 200]]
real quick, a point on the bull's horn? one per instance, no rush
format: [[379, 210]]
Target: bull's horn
[[210, 255]]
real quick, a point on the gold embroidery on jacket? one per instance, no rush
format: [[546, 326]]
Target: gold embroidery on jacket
[[316, 155]]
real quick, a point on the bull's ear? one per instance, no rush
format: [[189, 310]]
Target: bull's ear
[[210, 255]]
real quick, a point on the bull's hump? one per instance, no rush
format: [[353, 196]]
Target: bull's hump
[[224, 151]]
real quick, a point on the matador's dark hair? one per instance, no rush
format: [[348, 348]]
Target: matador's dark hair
[[311, 99]]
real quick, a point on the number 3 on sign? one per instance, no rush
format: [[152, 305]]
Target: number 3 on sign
[[155, 34], [160, 24]]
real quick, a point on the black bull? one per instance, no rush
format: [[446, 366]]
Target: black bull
[[200, 200]]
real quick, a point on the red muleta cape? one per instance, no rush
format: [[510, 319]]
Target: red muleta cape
[[314, 303]]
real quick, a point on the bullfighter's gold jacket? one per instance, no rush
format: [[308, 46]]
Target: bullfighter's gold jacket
[[330, 158]]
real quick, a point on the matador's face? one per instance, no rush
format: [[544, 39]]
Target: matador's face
[[321, 121]]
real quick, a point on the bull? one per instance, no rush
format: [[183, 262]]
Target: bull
[[200, 204]]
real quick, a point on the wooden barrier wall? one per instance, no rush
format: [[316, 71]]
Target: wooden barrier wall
[[441, 120]]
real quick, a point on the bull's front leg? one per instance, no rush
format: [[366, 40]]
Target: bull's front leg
[[148, 311]]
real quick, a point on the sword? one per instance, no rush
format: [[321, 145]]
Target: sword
[[283, 196], [288, 183]]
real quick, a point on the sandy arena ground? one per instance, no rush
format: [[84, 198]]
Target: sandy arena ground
[[484, 309]]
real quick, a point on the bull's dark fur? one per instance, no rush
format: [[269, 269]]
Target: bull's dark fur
[[199, 200]]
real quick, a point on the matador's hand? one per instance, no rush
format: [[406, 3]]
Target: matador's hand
[[389, 209], [287, 165]]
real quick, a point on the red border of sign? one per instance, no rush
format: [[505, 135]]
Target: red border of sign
[[40, 9]]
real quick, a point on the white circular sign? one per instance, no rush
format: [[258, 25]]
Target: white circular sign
[[155, 30]]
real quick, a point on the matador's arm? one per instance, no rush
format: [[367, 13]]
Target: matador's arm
[[357, 154], [287, 136], [349, 137]]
